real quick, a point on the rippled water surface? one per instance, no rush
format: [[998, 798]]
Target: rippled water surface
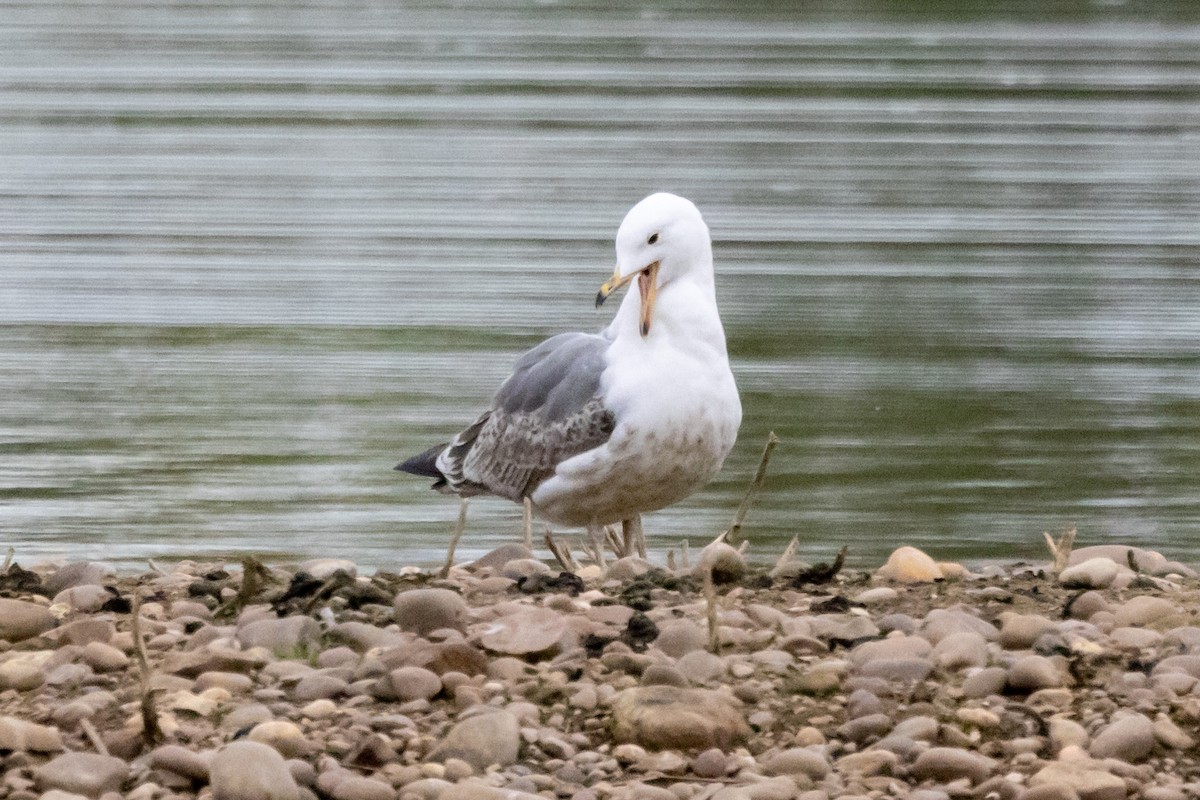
[[251, 254]]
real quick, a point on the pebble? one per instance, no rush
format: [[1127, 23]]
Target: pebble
[[282, 735], [680, 637], [1090, 780], [1094, 573], [806, 761], [482, 739], [526, 632], [909, 565], [1129, 738], [20, 620], [247, 770], [425, 610], [88, 774], [725, 562], [949, 764], [285, 636], [1143, 610], [668, 717], [1033, 672], [908, 689], [960, 650], [413, 683]]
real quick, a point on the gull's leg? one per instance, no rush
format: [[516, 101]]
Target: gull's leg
[[527, 519], [456, 534], [635, 537], [596, 540]]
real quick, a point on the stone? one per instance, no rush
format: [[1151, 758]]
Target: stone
[[892, 647], [1065, 732], [867, 763], [984, 682], [413, 683], [181, 761], [1020, 631], [21, 674], [798, 761], [672, 718], [528, 631], [284, 736], [941, 622], [700, 666], [20, 620], [357, 787], [725, 562], [902, 670], [709, 764], [1142, 610], [947, 764], [21, 735], [325, 568], [909, 565], [103, 657], [426, 610], [482, 739], [1170, 735], [232, 682], [77, 573], [961, 650], [1129, 738], [1033, 672], [89, 774], [84, 630], [519, 568], [1089, 779], [496, 559], [247, 770], [317, 686], [292, 636], [1094, 573], [626, 569], [679, 637], [87, 598]]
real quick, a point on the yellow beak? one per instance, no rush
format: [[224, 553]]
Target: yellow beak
[[647, 287]]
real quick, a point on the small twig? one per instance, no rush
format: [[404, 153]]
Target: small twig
[[685, 554], [93, 736], [735, 530], [1061, 550], [8, 558], [671, 559], [561, 553], [710, 606], [788, 553], [616, 545], [527, 521], [822, 573], [151, 734], [255, 577], [1131, 560], [459, 526]]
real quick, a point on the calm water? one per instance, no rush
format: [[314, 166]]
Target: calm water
[[251, 254]]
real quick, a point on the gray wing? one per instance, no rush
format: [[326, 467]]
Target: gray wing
[[546, 412]]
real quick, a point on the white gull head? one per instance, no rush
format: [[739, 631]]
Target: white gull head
[[663, 239]]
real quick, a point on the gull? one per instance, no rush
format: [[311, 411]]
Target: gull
[[595, 429]]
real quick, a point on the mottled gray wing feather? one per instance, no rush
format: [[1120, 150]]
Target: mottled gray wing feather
[[546, 412]]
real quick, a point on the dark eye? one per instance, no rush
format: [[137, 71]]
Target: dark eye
[[653, 239]]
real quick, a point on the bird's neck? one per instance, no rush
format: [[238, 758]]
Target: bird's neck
[[685, 315]]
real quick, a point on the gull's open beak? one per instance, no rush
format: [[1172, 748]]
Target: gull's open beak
[[647, 287]]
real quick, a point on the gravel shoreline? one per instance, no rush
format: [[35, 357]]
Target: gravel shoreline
[[507, 679]]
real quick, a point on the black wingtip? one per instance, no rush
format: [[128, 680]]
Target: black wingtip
[[424, 464]]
